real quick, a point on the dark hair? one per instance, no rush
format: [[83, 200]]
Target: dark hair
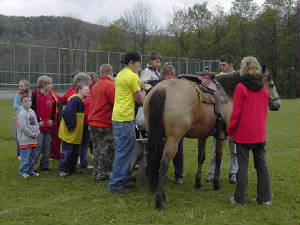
[[155, 55], [24, 96], [131, 56], [227, 58]]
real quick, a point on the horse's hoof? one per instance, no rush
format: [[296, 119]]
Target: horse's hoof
[[217, 187], [198, 186], [159, 208]]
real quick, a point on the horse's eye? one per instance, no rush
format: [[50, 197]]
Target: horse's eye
[[271, 85]]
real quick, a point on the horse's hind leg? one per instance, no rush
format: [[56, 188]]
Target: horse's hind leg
[[219, 154], [201, 158], [170, 150]]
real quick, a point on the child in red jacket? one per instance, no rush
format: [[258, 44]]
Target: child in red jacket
[[44, 107], [247, 127]]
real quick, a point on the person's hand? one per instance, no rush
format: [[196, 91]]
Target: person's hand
[[50, 123], [35, 135], [41, 123]]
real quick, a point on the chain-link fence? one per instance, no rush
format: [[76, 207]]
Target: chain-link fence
[[20, 61]]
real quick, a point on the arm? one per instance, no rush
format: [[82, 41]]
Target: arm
[[238, 101], [17, 103], [111, 94], [23, 125], [140, 96], [145, 78], [69, 114], [33, 106]]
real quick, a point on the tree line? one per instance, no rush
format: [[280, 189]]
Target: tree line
[[269, 32]]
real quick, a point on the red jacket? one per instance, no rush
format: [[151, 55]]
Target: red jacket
[[68, 94], [44, 108], [249, 115], [71, 91], [102, 102]]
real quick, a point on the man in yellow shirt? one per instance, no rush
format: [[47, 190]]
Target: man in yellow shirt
[[127, 91]]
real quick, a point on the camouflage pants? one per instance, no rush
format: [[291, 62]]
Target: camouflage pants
[[104, 151]]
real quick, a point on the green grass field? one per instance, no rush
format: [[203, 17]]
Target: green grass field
[[49, 199]]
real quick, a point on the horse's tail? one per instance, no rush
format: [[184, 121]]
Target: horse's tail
[[156, 137]]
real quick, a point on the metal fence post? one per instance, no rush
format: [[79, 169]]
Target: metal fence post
[[85, 61], [14, 61], [187, 66], [108, 56], [44, 60], [29, 76], [59, 84]]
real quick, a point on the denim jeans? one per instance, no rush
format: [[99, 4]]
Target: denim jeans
[[178, 160], [44, 143], [124, 134], [28, 158], [233, 159]]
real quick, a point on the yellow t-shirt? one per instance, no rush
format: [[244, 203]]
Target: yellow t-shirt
[[127, 83]]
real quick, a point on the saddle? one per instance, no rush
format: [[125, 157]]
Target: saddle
[[213, 93]]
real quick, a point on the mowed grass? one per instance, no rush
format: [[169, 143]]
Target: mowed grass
[[80, 200]]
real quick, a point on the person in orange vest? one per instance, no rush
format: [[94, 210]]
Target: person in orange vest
[[55, 140]]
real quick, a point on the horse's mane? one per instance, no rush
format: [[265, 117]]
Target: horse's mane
[[229, 82]]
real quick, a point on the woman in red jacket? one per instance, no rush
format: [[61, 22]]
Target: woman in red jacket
[[247, 127]]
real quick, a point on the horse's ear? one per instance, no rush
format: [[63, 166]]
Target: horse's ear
[[264, 69]]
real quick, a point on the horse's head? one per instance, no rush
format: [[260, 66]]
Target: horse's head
[[274, 99]]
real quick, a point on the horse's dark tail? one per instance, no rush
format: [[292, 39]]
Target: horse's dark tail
[[156, 137]]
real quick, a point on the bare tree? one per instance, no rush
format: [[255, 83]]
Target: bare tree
[[139, 21]]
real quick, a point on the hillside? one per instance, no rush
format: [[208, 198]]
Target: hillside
[[50, 31]]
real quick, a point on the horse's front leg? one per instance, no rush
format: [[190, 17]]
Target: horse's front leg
[[201, 158], [219, 154]]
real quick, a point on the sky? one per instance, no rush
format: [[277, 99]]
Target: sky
[[99, 11]]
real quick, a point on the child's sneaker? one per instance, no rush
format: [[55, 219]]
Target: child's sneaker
[[255, 201], [25, 175]]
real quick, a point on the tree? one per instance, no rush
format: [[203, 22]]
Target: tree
[[138, 22], [113, 40]]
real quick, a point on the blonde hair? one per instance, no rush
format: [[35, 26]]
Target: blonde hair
[[167, 68], [94, 77], [26, 84], [105, 69], [250, 66], [43, 81]]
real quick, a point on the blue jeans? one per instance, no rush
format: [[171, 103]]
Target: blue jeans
[[124, 134], [178, 160], [28, 158], [44, 143], [233, 159]]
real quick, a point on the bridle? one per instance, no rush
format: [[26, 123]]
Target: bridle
[[271, 100]]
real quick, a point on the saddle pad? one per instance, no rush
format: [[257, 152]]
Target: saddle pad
[[207, 97]]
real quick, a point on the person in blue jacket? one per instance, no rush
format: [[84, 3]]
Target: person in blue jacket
[[71, 130]]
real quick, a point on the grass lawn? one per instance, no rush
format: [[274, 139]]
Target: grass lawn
[[49, 199]]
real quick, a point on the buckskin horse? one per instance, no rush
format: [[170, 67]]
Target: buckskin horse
[[174, 110]]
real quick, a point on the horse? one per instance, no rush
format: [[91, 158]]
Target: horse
[[174, 110]]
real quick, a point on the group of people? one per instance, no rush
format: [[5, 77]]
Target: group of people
[[100, 114]]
